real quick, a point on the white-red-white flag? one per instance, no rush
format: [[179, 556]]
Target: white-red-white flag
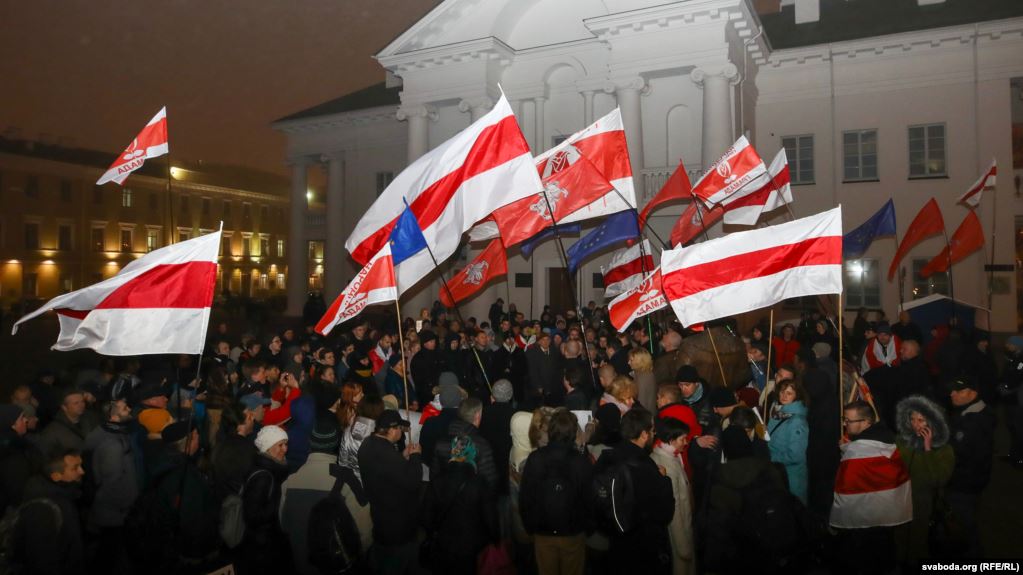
[[775, 193], [603, 144], [739, 171], [375, 283], [643, 299], [150, 143], [985, 181], [450, 188], [744, 271], [159, 303], [872, 487], [627, 268]]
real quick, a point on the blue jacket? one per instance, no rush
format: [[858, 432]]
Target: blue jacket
[[789, 436], [300, 430]]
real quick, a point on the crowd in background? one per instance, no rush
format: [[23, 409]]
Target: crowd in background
[[553, 445]]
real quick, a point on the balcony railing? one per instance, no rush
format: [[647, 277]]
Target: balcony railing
[[654, 178], [316, 226]]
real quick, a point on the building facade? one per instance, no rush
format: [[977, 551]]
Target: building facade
[[60, 232], [872, 100]]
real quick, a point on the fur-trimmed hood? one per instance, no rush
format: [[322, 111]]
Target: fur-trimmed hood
[[931, 411]]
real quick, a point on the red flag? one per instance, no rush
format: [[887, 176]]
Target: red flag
[[926, 223], [986, 180], [738, 172], [573, 182], [490, 264], [375, 283], [690, 224], [676, 188], [150, 143], [643, 299], [969, 236]]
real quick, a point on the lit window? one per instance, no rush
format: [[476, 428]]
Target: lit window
[[927, 151], [280, 248], [126, 198], [862, 283], [264, 281], [280, 281], [126, 241], [264, 246], [152, 240], [799, 150]]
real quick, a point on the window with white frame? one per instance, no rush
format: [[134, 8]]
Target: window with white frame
[[280, 248], [923, 287], [280, 281], [264, 245], [264, 281], [862, 283], [152, 239], [799, 150], [859, 149], [126, 197], [927, 151]]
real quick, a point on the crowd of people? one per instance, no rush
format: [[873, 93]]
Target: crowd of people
[[551, 446]]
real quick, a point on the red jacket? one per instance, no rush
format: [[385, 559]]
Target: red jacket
[[686, 415], [784, 351]]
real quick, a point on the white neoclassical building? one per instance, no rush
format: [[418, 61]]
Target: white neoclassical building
[[871, 99]]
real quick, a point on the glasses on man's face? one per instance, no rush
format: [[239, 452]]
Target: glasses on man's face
[[849, 421]]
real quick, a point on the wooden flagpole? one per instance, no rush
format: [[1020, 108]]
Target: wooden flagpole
[[841, 367], [770, 345], [404, 366], [721, 367]]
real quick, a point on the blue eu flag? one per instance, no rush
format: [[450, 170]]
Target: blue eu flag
[[856, 242], [527, 246], [406, 238], [616, 228]]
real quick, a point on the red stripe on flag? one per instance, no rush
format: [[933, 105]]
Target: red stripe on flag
[[641, 265], [187, 285], [870, 475], [495, 145], [609, 152], [754, 264], [75, 313]]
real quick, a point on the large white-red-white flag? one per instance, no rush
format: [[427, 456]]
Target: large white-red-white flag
[[375, 283], [872, 487], [775, 193], [643, 299], [744, 271], [150, 143], [986, 180], [603, 144], [159, 303], [738, 172], [450, 188], [627, 268]]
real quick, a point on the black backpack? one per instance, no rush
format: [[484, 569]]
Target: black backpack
[[614, 505], [151, 525], [770, 523], [332, 535], [557, 500]]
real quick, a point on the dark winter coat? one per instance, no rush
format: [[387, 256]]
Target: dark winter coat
[[45, 543], [19, 460], [196, 505], [233, 457], [425, 368], [392, 485], [495, 427], [461, 510], [114, 474], [435, 428], [264, 549], [545, 375], [61, 434], [822, 454], [556, 460], [300, 430], [645, 549], [511, 365], [973, 430], [479, 373]]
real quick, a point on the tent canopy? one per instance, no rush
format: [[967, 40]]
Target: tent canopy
[[938, 309]]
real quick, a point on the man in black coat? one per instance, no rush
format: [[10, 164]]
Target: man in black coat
[[544, 373], [496, 429], [553, 498], [912, 376], [427, 365], [509, 362], [478, 371], [19, 458], [392, 480], [973, 431], [48, 537], [646, 548], [824, 421]]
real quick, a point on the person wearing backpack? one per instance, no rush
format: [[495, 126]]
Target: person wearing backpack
[[48, 534], [460, 512], [553, 498], [264, 547], [311, 484], [637, 525], [113, 479]]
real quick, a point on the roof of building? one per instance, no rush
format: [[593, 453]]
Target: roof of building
[[369, 97], [842, 20], [202, 173]]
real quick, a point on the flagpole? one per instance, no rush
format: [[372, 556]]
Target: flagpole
[[642, 263], [401, 346], [710, 332], [770, 345], [532, 275], [699, 214], [841, 367], [991, 268], [564, 256], [170, 209]]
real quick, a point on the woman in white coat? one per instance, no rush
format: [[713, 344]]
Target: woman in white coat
[[672, 436]]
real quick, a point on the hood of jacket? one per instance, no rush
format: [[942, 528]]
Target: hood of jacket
[[931, 412], [521, 447]]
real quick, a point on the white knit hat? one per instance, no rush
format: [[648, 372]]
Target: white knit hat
[[269, 436]]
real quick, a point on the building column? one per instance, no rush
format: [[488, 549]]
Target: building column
[[298, 250], [587, 107], [334, 248], [628, 93], [717, 109], [539, 143], [476, 107], [418, 118]]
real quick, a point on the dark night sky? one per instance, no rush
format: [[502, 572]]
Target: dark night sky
[[90, 73]]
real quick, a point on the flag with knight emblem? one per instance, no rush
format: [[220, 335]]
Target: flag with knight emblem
[[490, 264], [641, 300]]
